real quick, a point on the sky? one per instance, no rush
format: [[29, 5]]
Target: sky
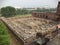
[[29, 3]]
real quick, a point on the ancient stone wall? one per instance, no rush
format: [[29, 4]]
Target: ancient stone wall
[[52, 16], [58, 9]]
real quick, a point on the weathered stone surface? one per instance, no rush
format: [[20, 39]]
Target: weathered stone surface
[[55, 41], [26, 28]]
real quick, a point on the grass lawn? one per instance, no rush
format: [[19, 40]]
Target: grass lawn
[[23, 15], [4, 37]]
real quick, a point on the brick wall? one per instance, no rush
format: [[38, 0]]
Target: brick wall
[[58, 9], [52, 16]]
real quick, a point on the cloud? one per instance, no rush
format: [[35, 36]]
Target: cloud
[[29, 3]]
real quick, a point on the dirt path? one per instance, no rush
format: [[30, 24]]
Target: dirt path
[[13, 40]]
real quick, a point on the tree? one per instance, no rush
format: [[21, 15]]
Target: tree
[[8, 11]]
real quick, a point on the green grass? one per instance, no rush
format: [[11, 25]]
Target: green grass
[[4, 37], [22, 15]]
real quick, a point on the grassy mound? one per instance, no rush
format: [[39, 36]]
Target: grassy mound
[[4, 38]]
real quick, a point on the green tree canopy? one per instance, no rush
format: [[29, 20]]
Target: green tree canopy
[[8, 11]]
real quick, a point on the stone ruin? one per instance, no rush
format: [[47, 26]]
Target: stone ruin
[[36, 31], [31, 29], [51, 16]]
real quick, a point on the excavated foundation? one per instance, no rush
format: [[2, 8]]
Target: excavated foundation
[[31, 29]]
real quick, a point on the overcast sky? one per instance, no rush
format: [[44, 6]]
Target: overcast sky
[[29, 3]]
